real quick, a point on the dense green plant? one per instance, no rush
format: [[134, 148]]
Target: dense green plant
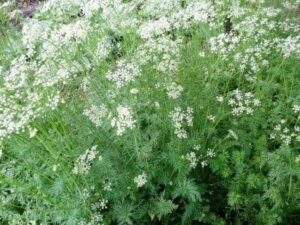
[[152, 112]]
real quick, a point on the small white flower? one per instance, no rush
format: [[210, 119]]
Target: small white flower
[[96, 113], [140, 180], [54, 168], [124, 120], [242, 103], [104, 48], [32, 132], [211, 118], [204, 163], [107, 186], [85, 193], [220, 98], [197, 147], [103, 204], [32, 222], [192, 158], [256, 102], [123, 74], [154, 28], [202, 54], [296, 108], [233, 134], [96, 219], [134, 91], [211, 153], [100, 205], [84, 161], [180, 119], [174, 90], [277, 127], [284, 133]]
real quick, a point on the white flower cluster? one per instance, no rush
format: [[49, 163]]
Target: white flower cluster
[[211, 153], [84, 162], [32, 32], [47, 75], [58, 8], [220, 98], [197, 147], [96, 113], [44, 73], [290, 46], [32, 132], [192, 158], [163, 53], [285, 134], [291, 4], [104, 47], [255, 25], [224, 44], [296, 109], [134, 91], [17, 76], [243, 103], [156, 8], [252, 29], [107, 186], [123, 74], [171, 15], [195, 12], [33, 78], [180, 119], [174, 90], [100, 205], [252, 59], [69, 33], [96, 217], [13, 116], [118, 15], [211, 118], [154, 28], [53, 100], [124, 120], [89, 8], [174, 16], [140, 180]]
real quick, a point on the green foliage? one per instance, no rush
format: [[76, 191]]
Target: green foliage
[[196, 124]]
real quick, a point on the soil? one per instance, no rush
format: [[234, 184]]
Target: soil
[[27, 7]]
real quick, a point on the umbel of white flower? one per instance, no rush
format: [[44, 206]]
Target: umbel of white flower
[[243, 103], [192, 158], [84, 162], [180, 119], [140, 180], [124, 120], [123, 74], [174, 90], [96, 113]]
